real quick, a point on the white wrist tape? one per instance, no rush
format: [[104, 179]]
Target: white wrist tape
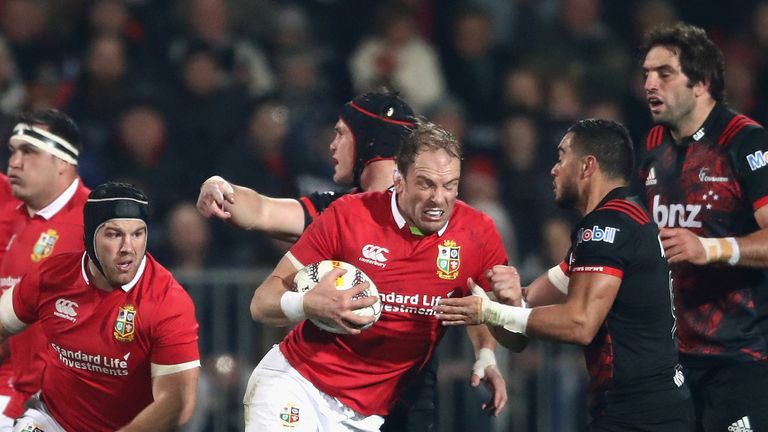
[[292, 304], [226, 186], [524, 304], [485, 358], [512, 318], [721, 249]]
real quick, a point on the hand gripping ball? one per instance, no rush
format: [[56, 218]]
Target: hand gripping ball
[[309, 276]]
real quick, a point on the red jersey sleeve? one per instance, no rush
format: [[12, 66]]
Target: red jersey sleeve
[[25, 297], [321, 240], [175, 339], [493, 253]]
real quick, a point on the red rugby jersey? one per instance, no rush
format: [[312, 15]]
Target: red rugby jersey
[[368, 371], [55, 229], [100, 345], [7, 204]]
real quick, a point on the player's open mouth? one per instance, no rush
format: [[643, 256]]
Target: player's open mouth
[[655, 103], [124, 266], [434, 213]]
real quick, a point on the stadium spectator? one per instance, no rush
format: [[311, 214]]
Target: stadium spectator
[[398, 57], [139, 372], [43, 173], [707, 188], [611, 294]]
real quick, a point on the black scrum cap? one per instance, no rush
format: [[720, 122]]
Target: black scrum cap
[[378, 122], [109, 201]]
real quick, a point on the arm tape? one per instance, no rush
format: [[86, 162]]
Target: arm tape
[[724, 249]]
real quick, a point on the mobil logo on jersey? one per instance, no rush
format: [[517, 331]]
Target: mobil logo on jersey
[[757, 160], [596, 233], [448, 260]]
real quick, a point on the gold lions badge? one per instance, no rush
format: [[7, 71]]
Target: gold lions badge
[[125, 325], [44, 246], [448, 260]]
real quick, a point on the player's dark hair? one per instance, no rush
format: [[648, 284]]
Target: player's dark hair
[[609, 142], [425, 136], [700, 59], [57, 122]]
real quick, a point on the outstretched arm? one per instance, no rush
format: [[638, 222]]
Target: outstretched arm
[[590, 296], [682, 245], [281, 218], [174, 402]]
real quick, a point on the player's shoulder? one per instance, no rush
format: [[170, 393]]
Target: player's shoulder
[[465, 213], [626, 212], [160, 283], [57, 266], [654, 138], [738, 129], [370, 199]]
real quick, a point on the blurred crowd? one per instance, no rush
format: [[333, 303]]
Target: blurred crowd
[[168, 93]]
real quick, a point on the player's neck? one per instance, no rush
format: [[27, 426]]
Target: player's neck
[[98, 279], [596, 192], [692, 122], [377, 176], [36, 203]]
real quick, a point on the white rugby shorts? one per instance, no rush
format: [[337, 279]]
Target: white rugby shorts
[[279, 398]]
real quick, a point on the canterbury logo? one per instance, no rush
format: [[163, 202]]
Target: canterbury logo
[[375, 253], [66, 309]]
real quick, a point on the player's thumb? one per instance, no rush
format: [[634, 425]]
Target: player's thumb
[[474, 381]]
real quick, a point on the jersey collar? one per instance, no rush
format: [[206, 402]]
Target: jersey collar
[[400, 220], [51, 209], [127, 287], [709, 126]]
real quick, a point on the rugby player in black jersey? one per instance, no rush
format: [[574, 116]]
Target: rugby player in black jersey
[[368, 135], [703, 169], [612, 293]]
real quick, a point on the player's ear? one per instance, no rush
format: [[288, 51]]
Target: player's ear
[[589, 165], [397, 178]]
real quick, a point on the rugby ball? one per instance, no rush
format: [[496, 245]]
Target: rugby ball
[[309, 276]]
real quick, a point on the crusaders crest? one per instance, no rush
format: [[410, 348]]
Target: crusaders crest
[[125, 326], [448, 260], [289, 415], [44, 246]]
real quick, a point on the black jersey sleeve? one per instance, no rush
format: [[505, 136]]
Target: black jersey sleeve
[[316, 202], [604, 243], [749, 154]]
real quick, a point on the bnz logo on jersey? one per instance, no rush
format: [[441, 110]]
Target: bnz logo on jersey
[[448, 261], [596, 233]]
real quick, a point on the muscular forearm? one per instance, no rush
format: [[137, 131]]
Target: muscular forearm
[[265, 305], [561, 323], [281, 218], [753, 249]]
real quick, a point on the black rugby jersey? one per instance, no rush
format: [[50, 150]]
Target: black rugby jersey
[[316, 202], [633, 359], [712, 183]]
